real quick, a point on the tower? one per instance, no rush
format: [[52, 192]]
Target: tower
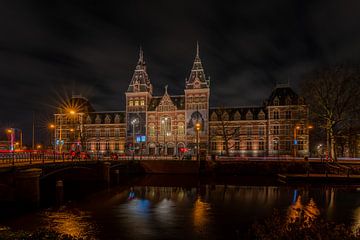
[[138, 96], [197, 93]]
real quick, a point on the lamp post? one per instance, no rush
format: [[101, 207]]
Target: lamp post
[[133, 122], [197, 128], [296, 128], [10, 131], [52, 129]]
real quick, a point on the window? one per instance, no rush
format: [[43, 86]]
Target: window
[[288, 114], [117, 132], [136, 103], [249, 131], [224, 146], [300, 145], [117, 146], [97, 146], [142, 102], [165, 125], [287, 145], [248, 145], [107, 132], [237, 145], [276, 114], [151, 130], [276, 130], [131, 103], [97, 132], [181, 129], [107, 146], [276, 144], [213, 145], [261, 131], [261, 145], [287, 130]]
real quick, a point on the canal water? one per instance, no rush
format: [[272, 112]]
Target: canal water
[[185, 207]]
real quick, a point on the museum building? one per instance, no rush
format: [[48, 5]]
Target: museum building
[[185, 124]]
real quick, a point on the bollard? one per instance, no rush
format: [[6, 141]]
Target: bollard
[[59, 193]]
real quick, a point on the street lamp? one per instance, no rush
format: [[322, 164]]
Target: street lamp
[[296, 128], [133, 122], [197, 128], [12, 133]]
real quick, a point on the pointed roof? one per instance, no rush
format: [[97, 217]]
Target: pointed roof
[[197, 78], [140, 81]]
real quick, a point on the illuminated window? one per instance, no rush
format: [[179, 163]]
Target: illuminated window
[[131, 103], [261, 145], [213, 145], [249, 131], [136, 103], [276, 114], [248, 145], [181, 129], [261, 131], [276, 130], [237, 145], [142, 102], [151, 130], [165, 125]]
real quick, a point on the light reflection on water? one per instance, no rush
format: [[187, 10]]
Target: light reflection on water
[[202, 212], [72, 222]]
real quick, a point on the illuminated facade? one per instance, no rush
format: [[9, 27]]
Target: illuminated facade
[[181, 124]]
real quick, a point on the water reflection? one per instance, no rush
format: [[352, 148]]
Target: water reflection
[[73, 222], [201, 216], [298, 212]]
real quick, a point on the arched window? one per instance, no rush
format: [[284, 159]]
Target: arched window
[[181, 129], [249, 115], [151, 129], [88, 120], [107, 119], [214, 117], [117, 119], [237, 116], [225, 116], [97, 119], [261, 115], [131, 103], [165, 125], [276, 101]]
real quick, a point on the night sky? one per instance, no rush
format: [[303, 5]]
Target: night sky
[[51, 49]]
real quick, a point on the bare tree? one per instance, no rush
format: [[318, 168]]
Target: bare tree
[[224, 129], [333, 94]]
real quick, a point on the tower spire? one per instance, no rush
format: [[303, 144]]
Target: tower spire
[[197, 50], [141, 55]]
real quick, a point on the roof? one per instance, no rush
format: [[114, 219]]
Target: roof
[[284, 94], [241, 110], [178, 101], [113, 117]]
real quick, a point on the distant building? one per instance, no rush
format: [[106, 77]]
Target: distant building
[[176, 125]]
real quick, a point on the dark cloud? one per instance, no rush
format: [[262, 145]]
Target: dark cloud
[[50, 49]]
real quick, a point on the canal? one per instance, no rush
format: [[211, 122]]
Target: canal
[[185, 207]]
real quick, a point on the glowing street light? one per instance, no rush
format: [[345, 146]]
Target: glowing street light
[[197, 128]]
